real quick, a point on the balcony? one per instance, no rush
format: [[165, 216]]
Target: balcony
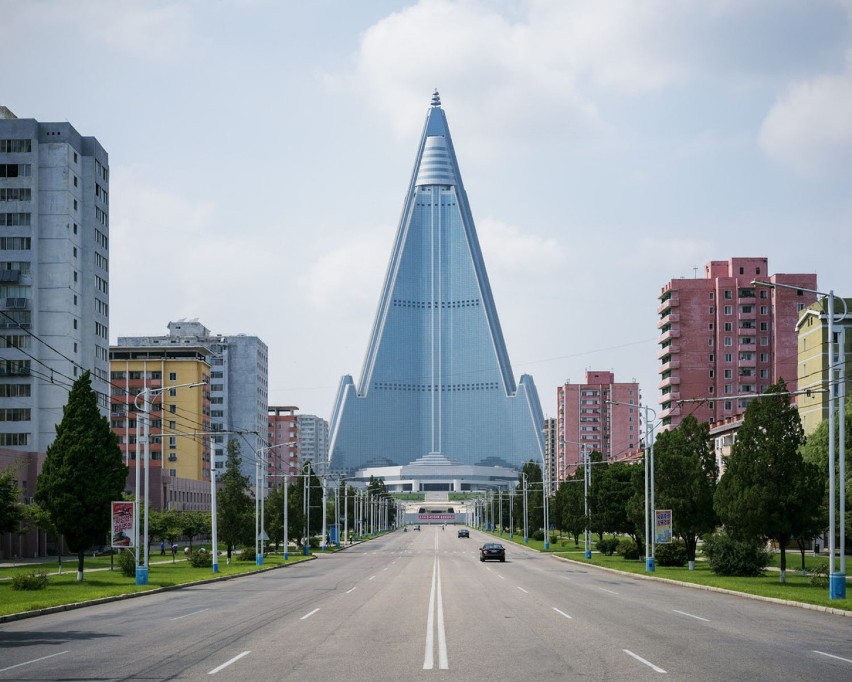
[[671, 349], [673, 411], [669, 381], [672, 302], [670, 318], [668, 335], [671, 364]]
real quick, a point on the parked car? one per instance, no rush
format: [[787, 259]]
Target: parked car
[[417, 527], [492, 550], [464, 533]]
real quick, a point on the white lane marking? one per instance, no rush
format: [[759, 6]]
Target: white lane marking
[[386, 568], [428, 661], [488, 568], [442, 634], [227, 663], [562, 613], [435, 599], [501, 576], [822, 653], [521, 589], [371, 577], [684, 613], [35, 660], [308, 615], [606, 590], [352, 590], [187, 615], [642, 660]]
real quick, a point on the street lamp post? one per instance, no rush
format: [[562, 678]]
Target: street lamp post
[[587, 484], [511, 504], [650, 544], [836, 394], [146, 393], [526, 515]]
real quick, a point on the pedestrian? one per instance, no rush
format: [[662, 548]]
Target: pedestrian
[[162, 548], [174, 549]]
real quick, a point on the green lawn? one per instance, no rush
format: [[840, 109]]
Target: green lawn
[[797, 588], [64, 589]]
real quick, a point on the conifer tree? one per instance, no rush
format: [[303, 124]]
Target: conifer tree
[[234, 502], [82, 473], [768, 491]]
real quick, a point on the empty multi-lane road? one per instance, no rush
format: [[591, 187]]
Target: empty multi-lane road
[[421, 605]]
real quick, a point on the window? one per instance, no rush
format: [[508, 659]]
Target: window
[[728, 294], [713, 373], [75, 181], [712, 357], [16, 194], [75, 204], [764, 309], [729, 341], [15, 170], [172, 392], [764, 340], [14, 219], [764, 326], [16, 146], [172, 376], [729, 405], [729, 310], [728, 374], [764, 293], [728, 327], [173, 409], [729, 388], [710, 326]]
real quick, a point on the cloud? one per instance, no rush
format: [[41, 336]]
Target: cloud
[[809, 127], [510, 250], [539, 66]]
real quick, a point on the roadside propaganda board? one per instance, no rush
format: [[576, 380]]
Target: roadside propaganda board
[[123, 532], [436, 517], [663, 526]]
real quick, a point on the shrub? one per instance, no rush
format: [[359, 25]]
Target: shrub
[[671, 554], [248, 554], [314, 542], [127, 563], [538, 535], [819, 576], [554, 539], [607, 546], [34, 580], [729, 556], [627, 548], [201, 559]]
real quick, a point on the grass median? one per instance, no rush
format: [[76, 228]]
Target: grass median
[[64, 589], [798, 587]]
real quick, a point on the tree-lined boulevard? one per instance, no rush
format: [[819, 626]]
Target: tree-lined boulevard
[[407, 605]]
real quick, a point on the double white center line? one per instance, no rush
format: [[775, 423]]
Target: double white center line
[[435, 620]]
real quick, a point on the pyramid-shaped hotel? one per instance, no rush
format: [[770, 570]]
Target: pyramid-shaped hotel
[[437, 406]]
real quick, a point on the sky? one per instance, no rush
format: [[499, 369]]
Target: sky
[[260, 152]]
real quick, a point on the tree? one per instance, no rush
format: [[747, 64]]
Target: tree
[[611, 487], [535, 507], [274, 515], [10, 502], [569, 509], [193, 523], [235, 505], [83, 472], [768, 490], [815, 451], [685, 476]]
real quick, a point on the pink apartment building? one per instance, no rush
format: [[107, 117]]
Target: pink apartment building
[[283, 439], [721, 336], [588, 418]]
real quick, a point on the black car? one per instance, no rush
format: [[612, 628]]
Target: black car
[[464, 533], [492, 550], [417, 527]]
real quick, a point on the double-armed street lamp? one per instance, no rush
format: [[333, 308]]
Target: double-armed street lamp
[[260, 456], [650, 540], [836, 397], [145, 394]]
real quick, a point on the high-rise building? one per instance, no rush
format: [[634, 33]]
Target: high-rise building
[[313, 439], [813, 361], [239, 381], [723, 337], [436, 381], [174, 413], [283, 440], [54, 275], [550, 452], [600, 415]]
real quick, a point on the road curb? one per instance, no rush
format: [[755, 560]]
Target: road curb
[[710, 588], [132, 595]]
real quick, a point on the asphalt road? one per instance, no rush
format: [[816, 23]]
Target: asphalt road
[[420, 605]]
